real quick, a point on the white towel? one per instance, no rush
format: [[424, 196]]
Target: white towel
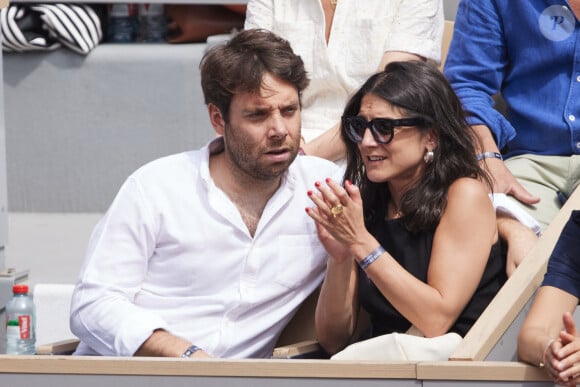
[[401, 347]]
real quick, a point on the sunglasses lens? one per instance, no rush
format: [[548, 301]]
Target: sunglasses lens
[[382, 130], [355, 128]]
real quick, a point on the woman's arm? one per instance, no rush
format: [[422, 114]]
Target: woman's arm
[[460, 251], [461, 248], [337, 306]]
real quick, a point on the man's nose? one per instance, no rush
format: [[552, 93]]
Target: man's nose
[[278, 127]]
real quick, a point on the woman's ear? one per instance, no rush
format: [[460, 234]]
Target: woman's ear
[[432, 140], [216, 118]]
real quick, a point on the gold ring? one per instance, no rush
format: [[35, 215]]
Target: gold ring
[[336, 210]]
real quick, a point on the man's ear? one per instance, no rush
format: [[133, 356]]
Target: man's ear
[[216, 118]]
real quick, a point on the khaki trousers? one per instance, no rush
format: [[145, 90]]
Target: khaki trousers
[[545, 176]]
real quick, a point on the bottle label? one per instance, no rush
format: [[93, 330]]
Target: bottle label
[[19, 329], [24, 323]]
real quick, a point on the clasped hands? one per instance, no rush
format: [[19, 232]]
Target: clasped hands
[[338, 213], [562, 356]]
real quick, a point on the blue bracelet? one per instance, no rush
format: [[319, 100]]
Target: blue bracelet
[[366, 261], [489, 155], [190, 351]]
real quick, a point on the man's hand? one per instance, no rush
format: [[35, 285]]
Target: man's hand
[[503, 180]]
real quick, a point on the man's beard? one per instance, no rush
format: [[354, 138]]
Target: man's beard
[[247, 158]]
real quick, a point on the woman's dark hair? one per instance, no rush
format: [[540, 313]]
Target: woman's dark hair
[[419, 90], [239, 66]]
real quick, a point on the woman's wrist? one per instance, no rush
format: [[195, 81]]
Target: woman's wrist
[[547, 347], [366, 246]]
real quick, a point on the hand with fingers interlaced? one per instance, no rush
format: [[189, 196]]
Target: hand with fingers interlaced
[[563, 355]]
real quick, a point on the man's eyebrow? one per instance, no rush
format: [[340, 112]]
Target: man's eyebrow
[[257, 109]]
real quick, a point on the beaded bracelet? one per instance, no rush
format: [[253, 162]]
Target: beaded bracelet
[[366, 261], [543, 362], [489, 155]]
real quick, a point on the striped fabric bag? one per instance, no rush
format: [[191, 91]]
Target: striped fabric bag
[[27, 27]]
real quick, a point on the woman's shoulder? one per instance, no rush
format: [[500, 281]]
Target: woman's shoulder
[[470, 194], [468, 186]]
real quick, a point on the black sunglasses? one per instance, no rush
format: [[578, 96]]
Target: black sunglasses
[[382, 129]]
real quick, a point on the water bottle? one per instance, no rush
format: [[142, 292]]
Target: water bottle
[[152, 23], [21, 322], [123, 23]]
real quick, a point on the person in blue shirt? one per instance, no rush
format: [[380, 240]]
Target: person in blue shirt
[[529, 51], [549, 337]]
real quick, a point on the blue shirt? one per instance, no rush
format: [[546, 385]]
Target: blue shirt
[[564, 264], [530, 52]]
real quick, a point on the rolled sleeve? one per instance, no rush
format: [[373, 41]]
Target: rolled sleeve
[[259, 14], [476, 65], [103, 312], [418, 29]]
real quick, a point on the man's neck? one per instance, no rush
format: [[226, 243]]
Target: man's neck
[[249, 194]]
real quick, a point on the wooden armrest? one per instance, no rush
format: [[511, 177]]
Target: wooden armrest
[[63, 347], [299, 349]]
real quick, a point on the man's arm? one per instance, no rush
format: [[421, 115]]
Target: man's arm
[[476, 66], [163, 343], [503, 180]]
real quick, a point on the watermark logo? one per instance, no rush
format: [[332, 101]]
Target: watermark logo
[[557, 22]]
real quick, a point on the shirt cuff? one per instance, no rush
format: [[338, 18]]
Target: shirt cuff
[[508, 207]]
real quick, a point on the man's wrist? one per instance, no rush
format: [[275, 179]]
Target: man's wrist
[[489, 155], [190, 351]]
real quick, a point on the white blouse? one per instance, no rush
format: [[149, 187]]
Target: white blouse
[[362, 31]]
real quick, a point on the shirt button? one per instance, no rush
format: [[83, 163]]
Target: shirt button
[[571, 117], [578, 78], [578, 145]]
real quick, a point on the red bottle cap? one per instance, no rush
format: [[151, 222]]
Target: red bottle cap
[[20, 289]]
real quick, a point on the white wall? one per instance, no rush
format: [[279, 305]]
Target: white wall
[[51, 246]]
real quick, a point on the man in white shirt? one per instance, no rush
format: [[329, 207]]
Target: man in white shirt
[[210, 252]]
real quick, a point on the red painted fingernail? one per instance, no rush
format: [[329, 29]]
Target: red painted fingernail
[[307, 209], [317, 184], [309, 193], [328, 180], [348, 182]]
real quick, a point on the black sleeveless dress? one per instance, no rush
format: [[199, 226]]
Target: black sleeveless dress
[[413, 251]]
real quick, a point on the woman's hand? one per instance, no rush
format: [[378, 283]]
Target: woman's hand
[[339, 213], [337, 250]]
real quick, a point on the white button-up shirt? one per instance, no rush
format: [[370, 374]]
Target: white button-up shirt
[[362, 31], [172, 252]]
